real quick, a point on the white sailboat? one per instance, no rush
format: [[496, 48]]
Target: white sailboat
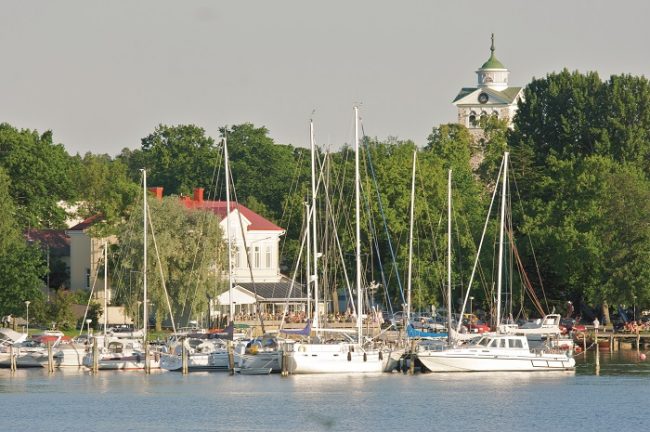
[[127, 353], [498, 351], [349, 356]]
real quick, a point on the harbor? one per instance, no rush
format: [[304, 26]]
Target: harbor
[[202, 401]]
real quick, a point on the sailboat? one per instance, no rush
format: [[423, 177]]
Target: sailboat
[[351, 355], [209, 351], [127, 353], [496, 351]]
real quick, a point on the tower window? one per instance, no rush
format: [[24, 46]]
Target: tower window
[[472, 119]]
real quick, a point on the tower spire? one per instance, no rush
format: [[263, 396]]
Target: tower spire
[[492, 46]]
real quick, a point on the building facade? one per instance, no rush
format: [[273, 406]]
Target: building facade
[[492, 96]]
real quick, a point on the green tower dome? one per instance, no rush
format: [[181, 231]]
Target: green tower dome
[[492, 62]]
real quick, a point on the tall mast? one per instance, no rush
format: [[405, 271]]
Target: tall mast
[[144, 264], [501, 230], [307, 260], [105, 290], [227, 169], [410, 269], [314, 237], [357, 206], [449, 258]]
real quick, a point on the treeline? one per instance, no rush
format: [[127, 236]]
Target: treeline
[[580, 191]]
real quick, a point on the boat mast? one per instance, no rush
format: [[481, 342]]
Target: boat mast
[[313, 223], [227, 170], [410, 269], [449, 339], [307, 259], [501, 230], [105, 290], [357, 194], [144, 265]]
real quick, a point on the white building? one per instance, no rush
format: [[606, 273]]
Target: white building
[[491, 97], [255, 259]]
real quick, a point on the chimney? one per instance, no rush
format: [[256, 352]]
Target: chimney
[[157, 192], [198, 195]]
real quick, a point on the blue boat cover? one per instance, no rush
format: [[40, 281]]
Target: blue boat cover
[[302, 332], [424, 332]]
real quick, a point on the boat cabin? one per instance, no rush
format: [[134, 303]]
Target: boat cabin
[[510, 342]]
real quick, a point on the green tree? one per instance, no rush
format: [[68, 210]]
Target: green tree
[[190, 251], [178, 158], [21, 264], [104, 188], [40, 172]]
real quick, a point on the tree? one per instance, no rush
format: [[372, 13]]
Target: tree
[[40, 172], [21, 264], [178, 158], [105, 188], [189, 250]]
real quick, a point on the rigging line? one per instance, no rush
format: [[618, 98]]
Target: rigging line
[[383, 216], [295, 272], [247, 252], [530, 241], [292, 189], [338, 244], [90, 297], [487, 220], [162, 276], [375, 238], [119, 266]]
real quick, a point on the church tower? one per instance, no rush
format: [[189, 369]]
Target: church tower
[[491, 97]]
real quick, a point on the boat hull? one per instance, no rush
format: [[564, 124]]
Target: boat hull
[[459, 362], [338, 358]]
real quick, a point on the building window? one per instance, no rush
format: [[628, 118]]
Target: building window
[[256, 257], [472, 119], [268, 256], [87, 278]]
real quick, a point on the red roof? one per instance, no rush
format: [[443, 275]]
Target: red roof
[[86, 223], [258, 223]]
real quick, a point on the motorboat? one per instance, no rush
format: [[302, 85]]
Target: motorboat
[[496, 352]]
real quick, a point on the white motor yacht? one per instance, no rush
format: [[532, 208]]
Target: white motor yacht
[[496, 352]]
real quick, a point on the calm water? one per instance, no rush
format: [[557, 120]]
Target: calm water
[[130, 401]]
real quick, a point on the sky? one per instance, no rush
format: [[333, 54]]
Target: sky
[[102, 75]]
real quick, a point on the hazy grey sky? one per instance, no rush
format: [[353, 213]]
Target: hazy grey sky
[[103, 74]]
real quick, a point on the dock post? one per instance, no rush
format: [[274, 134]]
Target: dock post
[[611, 344], [12, 359], [231, 358], [95, 356], [147, 365], [50, 358], [285, 363], [584, 344], [638, 342], [184, 359], [412, 365], [597, 353]]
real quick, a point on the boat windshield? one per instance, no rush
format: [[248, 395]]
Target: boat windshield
[[483, 341]]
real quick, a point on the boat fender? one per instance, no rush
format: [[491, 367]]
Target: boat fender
[[349, 356], [381, 355], [301, 348], [365, 357]]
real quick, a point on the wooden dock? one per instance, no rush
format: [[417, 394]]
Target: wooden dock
[[613, 341]]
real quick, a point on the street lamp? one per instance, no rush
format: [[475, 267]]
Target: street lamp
[[27, 302], [88, 321]]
